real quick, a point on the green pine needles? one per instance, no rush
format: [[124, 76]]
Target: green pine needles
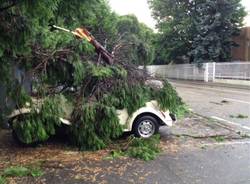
[[69, 80], [168, 98], [41, 123], [95, 122], [94, 126], [133, 97], [144, 149]]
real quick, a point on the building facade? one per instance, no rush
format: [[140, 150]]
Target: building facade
[[242, 53]]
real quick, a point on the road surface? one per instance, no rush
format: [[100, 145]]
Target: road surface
[[228, 104], [214, 165]]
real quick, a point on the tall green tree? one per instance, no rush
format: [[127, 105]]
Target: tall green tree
[[216, 23], [135, 40], [175, 30], [181, 26]]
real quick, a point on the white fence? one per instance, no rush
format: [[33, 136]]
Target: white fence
[[208, 72], [233, 70]]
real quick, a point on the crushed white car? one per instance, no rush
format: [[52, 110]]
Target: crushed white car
[[144, 122]]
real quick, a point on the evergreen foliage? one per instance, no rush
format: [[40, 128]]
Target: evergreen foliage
[[96, 123], [2, 180], [26, 41], [168, 98], [145, 149], [131, 97], [136, 41], [196, 31], [20, 171], [94, 126], [216, 22], [67, 80], [41, 123]]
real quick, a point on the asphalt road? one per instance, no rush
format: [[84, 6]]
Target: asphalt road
[[224, 103], [215, 165]]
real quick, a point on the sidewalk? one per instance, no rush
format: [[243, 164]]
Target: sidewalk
[[211, 84], [199, 127]]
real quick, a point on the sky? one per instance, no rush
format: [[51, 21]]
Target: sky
[[141, 9], [138, 7], [246, 4]]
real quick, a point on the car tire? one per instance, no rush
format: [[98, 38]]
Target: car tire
[[145, 126]]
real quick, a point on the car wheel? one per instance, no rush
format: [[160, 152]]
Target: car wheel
[[145, 127]]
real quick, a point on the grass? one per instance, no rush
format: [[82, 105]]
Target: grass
[[239, 116], [219, 139], [20, 171]]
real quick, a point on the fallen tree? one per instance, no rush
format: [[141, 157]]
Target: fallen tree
[[68, 78], [101, 90], [98, 89]]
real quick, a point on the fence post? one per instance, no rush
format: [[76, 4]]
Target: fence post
[[206, 72], [214, 65]]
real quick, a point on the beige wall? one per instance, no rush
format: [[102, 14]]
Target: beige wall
[[242, 53]]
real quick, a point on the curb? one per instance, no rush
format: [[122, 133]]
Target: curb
[[212, 84]]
